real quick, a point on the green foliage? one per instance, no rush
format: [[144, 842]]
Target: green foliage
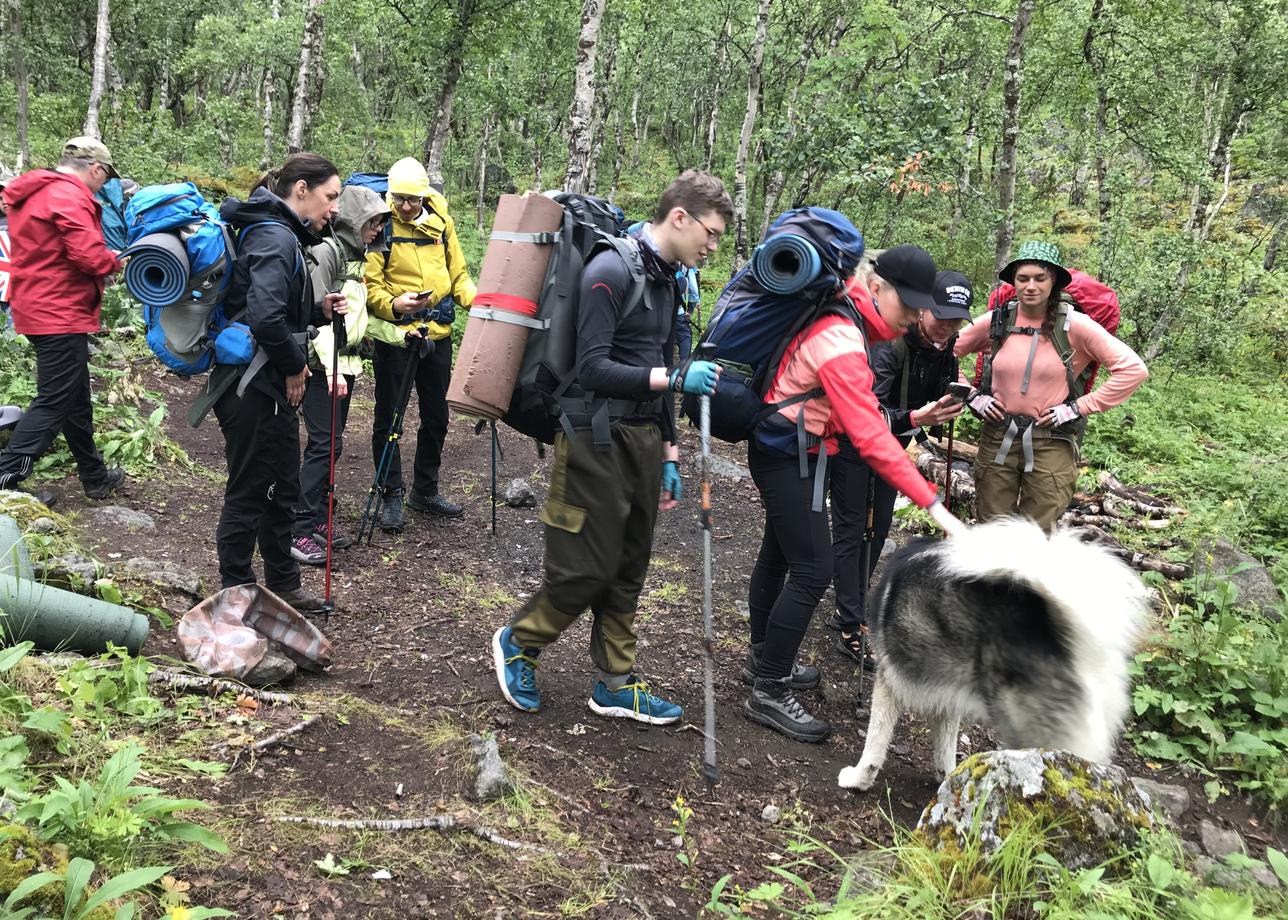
[[1216, 693]]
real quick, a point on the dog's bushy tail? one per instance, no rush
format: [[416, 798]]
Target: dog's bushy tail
[[1100, 602]]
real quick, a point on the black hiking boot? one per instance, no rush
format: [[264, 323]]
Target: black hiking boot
[[433, 504], [391, 514], [773, 703], [107, 486], [302, 601], [804, 676]]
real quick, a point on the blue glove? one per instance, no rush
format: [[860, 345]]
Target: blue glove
[[699, 379], [671, 479]]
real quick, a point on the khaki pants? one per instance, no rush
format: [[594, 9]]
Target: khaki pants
[[1042, 494], [599, 521]]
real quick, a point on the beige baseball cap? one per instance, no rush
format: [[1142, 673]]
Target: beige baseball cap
[[92, 149]]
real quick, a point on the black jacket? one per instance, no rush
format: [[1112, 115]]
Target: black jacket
[[929, 371], [271, 284]]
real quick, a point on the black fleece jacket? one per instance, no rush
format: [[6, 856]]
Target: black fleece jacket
[[271, 284], [614, 353]]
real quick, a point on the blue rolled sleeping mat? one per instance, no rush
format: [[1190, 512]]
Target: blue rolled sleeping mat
[[785, 263], [157, 274]]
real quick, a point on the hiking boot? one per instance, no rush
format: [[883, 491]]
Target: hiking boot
[[834, 622], [306, 550], [515, 669], [433, 504], [804, 676], [391, 514], [857, 647], [339, 539], [773, 703], [633, 701], [302, 601], [105, 487]]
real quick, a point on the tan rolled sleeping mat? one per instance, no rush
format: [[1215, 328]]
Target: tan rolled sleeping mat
[[505, 308]]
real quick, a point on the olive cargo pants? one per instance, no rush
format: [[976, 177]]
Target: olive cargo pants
[[1042, 494], [599, 521]]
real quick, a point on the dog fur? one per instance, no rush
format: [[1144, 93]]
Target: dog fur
[[1005, 625]]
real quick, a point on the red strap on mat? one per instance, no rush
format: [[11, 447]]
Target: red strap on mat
[[507, 302]]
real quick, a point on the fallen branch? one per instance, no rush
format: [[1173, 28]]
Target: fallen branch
[[263, 744], [1073, 519], [1110, 483], [1115, 501], [214, 685], [429, 822]]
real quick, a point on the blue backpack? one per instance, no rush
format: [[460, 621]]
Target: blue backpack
[[752, 326], [180, 266]]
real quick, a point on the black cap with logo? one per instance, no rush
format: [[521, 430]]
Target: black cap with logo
[[911, 271], [953, 296]]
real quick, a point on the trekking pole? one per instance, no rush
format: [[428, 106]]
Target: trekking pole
[[709, 771], [948, 471], [494, 449], [338, 335], [865, 576], [376, 496]]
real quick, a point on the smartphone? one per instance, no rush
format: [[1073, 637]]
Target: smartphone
[[424, 294], [959, 391]]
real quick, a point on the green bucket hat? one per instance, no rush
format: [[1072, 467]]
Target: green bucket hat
[[1037, 251]]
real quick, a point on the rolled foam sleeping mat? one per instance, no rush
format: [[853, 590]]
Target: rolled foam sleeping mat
[[510, 282], [58, 620], [785, 263], [14, 559], [158, 270]]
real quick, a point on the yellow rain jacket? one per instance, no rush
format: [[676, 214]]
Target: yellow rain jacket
[[425, 254]]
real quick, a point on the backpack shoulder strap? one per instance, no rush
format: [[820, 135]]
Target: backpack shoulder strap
[[999, 326], [629, 251], [1064, 348]]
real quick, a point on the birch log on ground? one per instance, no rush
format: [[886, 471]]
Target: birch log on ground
[[98, 71], [583, 97]]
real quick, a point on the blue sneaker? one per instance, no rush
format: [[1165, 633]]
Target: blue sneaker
[[633, 701], [514, 672]]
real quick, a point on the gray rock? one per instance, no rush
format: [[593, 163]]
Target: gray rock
[[127, 518], [1218, 842], [20, 505], [274, 669], [744, 609], [1221, 559], [1167, 799], [493, 780], [73, 572], [1097, 805], [722, 468], [870, 869], [44, 525], [1264, 875], [518, 494], [167, 575], [771, 814], [744, 763], [1214, 872]]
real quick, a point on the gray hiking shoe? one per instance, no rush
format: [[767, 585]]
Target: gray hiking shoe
[[804, 676], [773, 703], [391, 515]]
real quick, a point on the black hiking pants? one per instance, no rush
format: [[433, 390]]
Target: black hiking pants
[[432, 375], [62, 404], [794, 566], [315, 468], [849, 485], [262, 447]]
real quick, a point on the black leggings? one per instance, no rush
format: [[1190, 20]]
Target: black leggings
[[794, 567], [849, 487]]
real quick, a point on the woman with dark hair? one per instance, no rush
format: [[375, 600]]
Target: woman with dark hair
[[1031, 395], [272, 294]]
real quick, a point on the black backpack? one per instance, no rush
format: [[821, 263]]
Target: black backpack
[[541, 403]]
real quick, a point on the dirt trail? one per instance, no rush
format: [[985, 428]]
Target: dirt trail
[[413, 677]]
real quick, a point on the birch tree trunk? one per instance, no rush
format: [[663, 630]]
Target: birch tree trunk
[[98, 78], [599, 116], [20, 79], [583, 97], [744, 139], [480, 203], [1096, 62], [1010, 132], [300, 116], [270, 88], [717, 87], [454, 66]]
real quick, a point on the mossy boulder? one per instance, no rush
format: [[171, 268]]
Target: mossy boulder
[[22, 855], [1092, 812]]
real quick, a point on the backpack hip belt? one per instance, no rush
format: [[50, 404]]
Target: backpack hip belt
[[578, 413], [1025, 427]]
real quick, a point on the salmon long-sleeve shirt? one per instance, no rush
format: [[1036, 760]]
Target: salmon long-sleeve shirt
[[1048, 384]]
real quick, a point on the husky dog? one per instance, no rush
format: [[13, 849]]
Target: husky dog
[[1003, 624]]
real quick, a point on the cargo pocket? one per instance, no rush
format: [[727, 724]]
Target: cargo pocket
[[563, 516]]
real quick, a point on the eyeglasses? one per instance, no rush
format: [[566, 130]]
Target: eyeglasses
[[406, 199], [712, 236]]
